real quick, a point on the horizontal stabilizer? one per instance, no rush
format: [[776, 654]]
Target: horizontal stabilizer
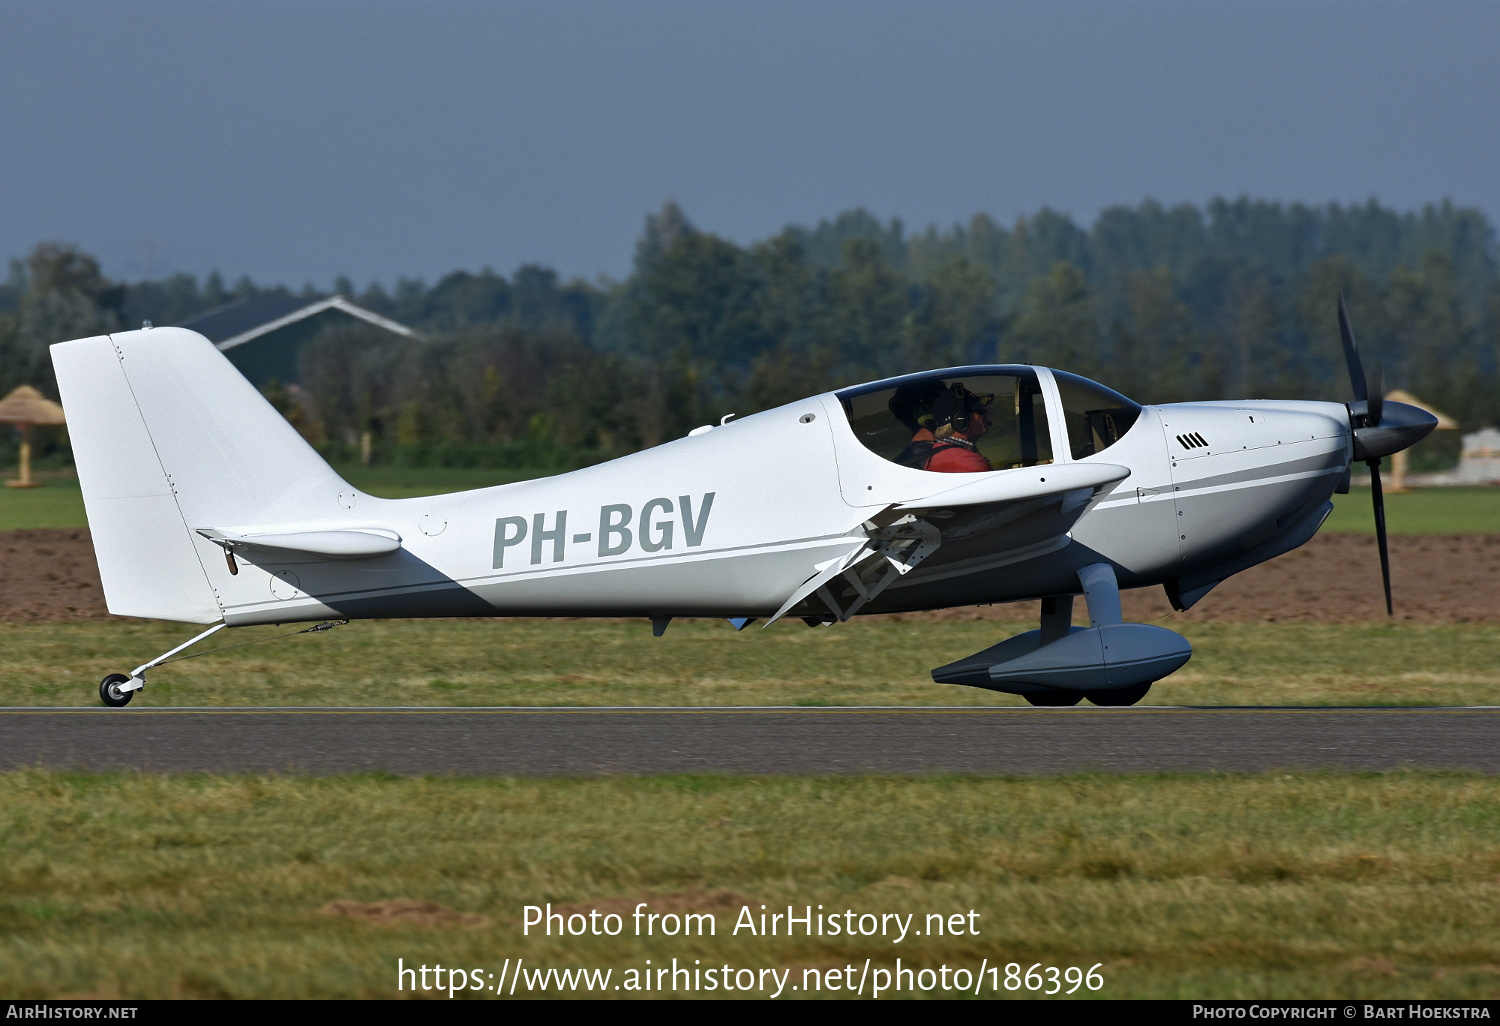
[[360, 543], [1020, 484]]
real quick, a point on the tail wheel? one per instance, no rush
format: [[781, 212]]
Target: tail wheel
[[110, 693], [1120, 696], [1057, 700]]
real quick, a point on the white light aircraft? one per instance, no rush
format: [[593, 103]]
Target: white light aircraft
[[953, 487]]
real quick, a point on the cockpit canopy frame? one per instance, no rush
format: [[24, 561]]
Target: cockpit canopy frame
[[908, 419]]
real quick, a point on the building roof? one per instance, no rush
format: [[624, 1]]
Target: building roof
[[243, 320], [1445, 422]]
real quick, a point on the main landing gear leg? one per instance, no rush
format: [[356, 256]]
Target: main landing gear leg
[[1103, 594], [117, 690], [1057, 620]]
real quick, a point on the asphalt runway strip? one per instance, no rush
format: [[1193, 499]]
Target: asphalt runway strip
[[589, 742]]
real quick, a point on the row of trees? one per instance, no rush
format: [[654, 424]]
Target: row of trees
[[1235, 299]]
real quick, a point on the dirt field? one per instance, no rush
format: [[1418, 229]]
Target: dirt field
[[1335, 578], [49, 576]]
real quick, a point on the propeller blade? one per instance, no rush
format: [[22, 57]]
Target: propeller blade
[[1385, 556], [1351, 354], [1376, 402]]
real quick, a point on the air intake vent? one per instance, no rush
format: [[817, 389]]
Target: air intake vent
[[1192, 441]]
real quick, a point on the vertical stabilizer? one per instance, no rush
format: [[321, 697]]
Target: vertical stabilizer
[[169, 438]]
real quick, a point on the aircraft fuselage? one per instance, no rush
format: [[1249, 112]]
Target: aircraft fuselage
[[729, 522]]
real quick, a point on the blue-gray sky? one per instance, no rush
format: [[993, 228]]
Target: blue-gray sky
[[298, 141]]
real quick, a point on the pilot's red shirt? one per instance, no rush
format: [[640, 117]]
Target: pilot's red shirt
[[956, 459]]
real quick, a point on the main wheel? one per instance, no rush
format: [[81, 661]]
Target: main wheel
[[110, 693], [1120, 696], [1060, 699]]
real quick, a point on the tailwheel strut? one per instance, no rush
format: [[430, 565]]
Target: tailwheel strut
[[117, 689]]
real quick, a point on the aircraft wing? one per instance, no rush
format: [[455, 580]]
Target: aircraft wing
[[1019, 485]]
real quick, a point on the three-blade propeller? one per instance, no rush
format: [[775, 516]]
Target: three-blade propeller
[[1380, 429], [1372, 394]]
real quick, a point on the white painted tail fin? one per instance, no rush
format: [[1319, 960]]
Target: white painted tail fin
[[168, 437]]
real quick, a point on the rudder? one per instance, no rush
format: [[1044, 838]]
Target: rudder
[[146, 557]]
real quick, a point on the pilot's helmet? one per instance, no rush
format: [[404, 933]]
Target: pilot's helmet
[[956, 404]]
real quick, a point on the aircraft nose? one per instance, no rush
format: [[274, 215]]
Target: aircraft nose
[[1400, 427]]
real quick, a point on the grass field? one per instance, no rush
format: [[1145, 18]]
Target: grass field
[[1432, 511], [58, 503], [1427, 511], [538, 662], [1301, 885]]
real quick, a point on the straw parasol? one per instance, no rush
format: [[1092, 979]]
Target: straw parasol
[[26, 406]]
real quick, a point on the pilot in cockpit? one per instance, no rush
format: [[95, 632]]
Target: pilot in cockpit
[[961, 419], [945, 423]]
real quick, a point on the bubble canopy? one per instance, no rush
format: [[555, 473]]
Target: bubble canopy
[[998, 411]]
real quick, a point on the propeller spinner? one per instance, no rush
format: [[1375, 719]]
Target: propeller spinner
[[1380, 429]]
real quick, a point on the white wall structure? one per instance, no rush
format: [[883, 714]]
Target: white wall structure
[[1480, 461]]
